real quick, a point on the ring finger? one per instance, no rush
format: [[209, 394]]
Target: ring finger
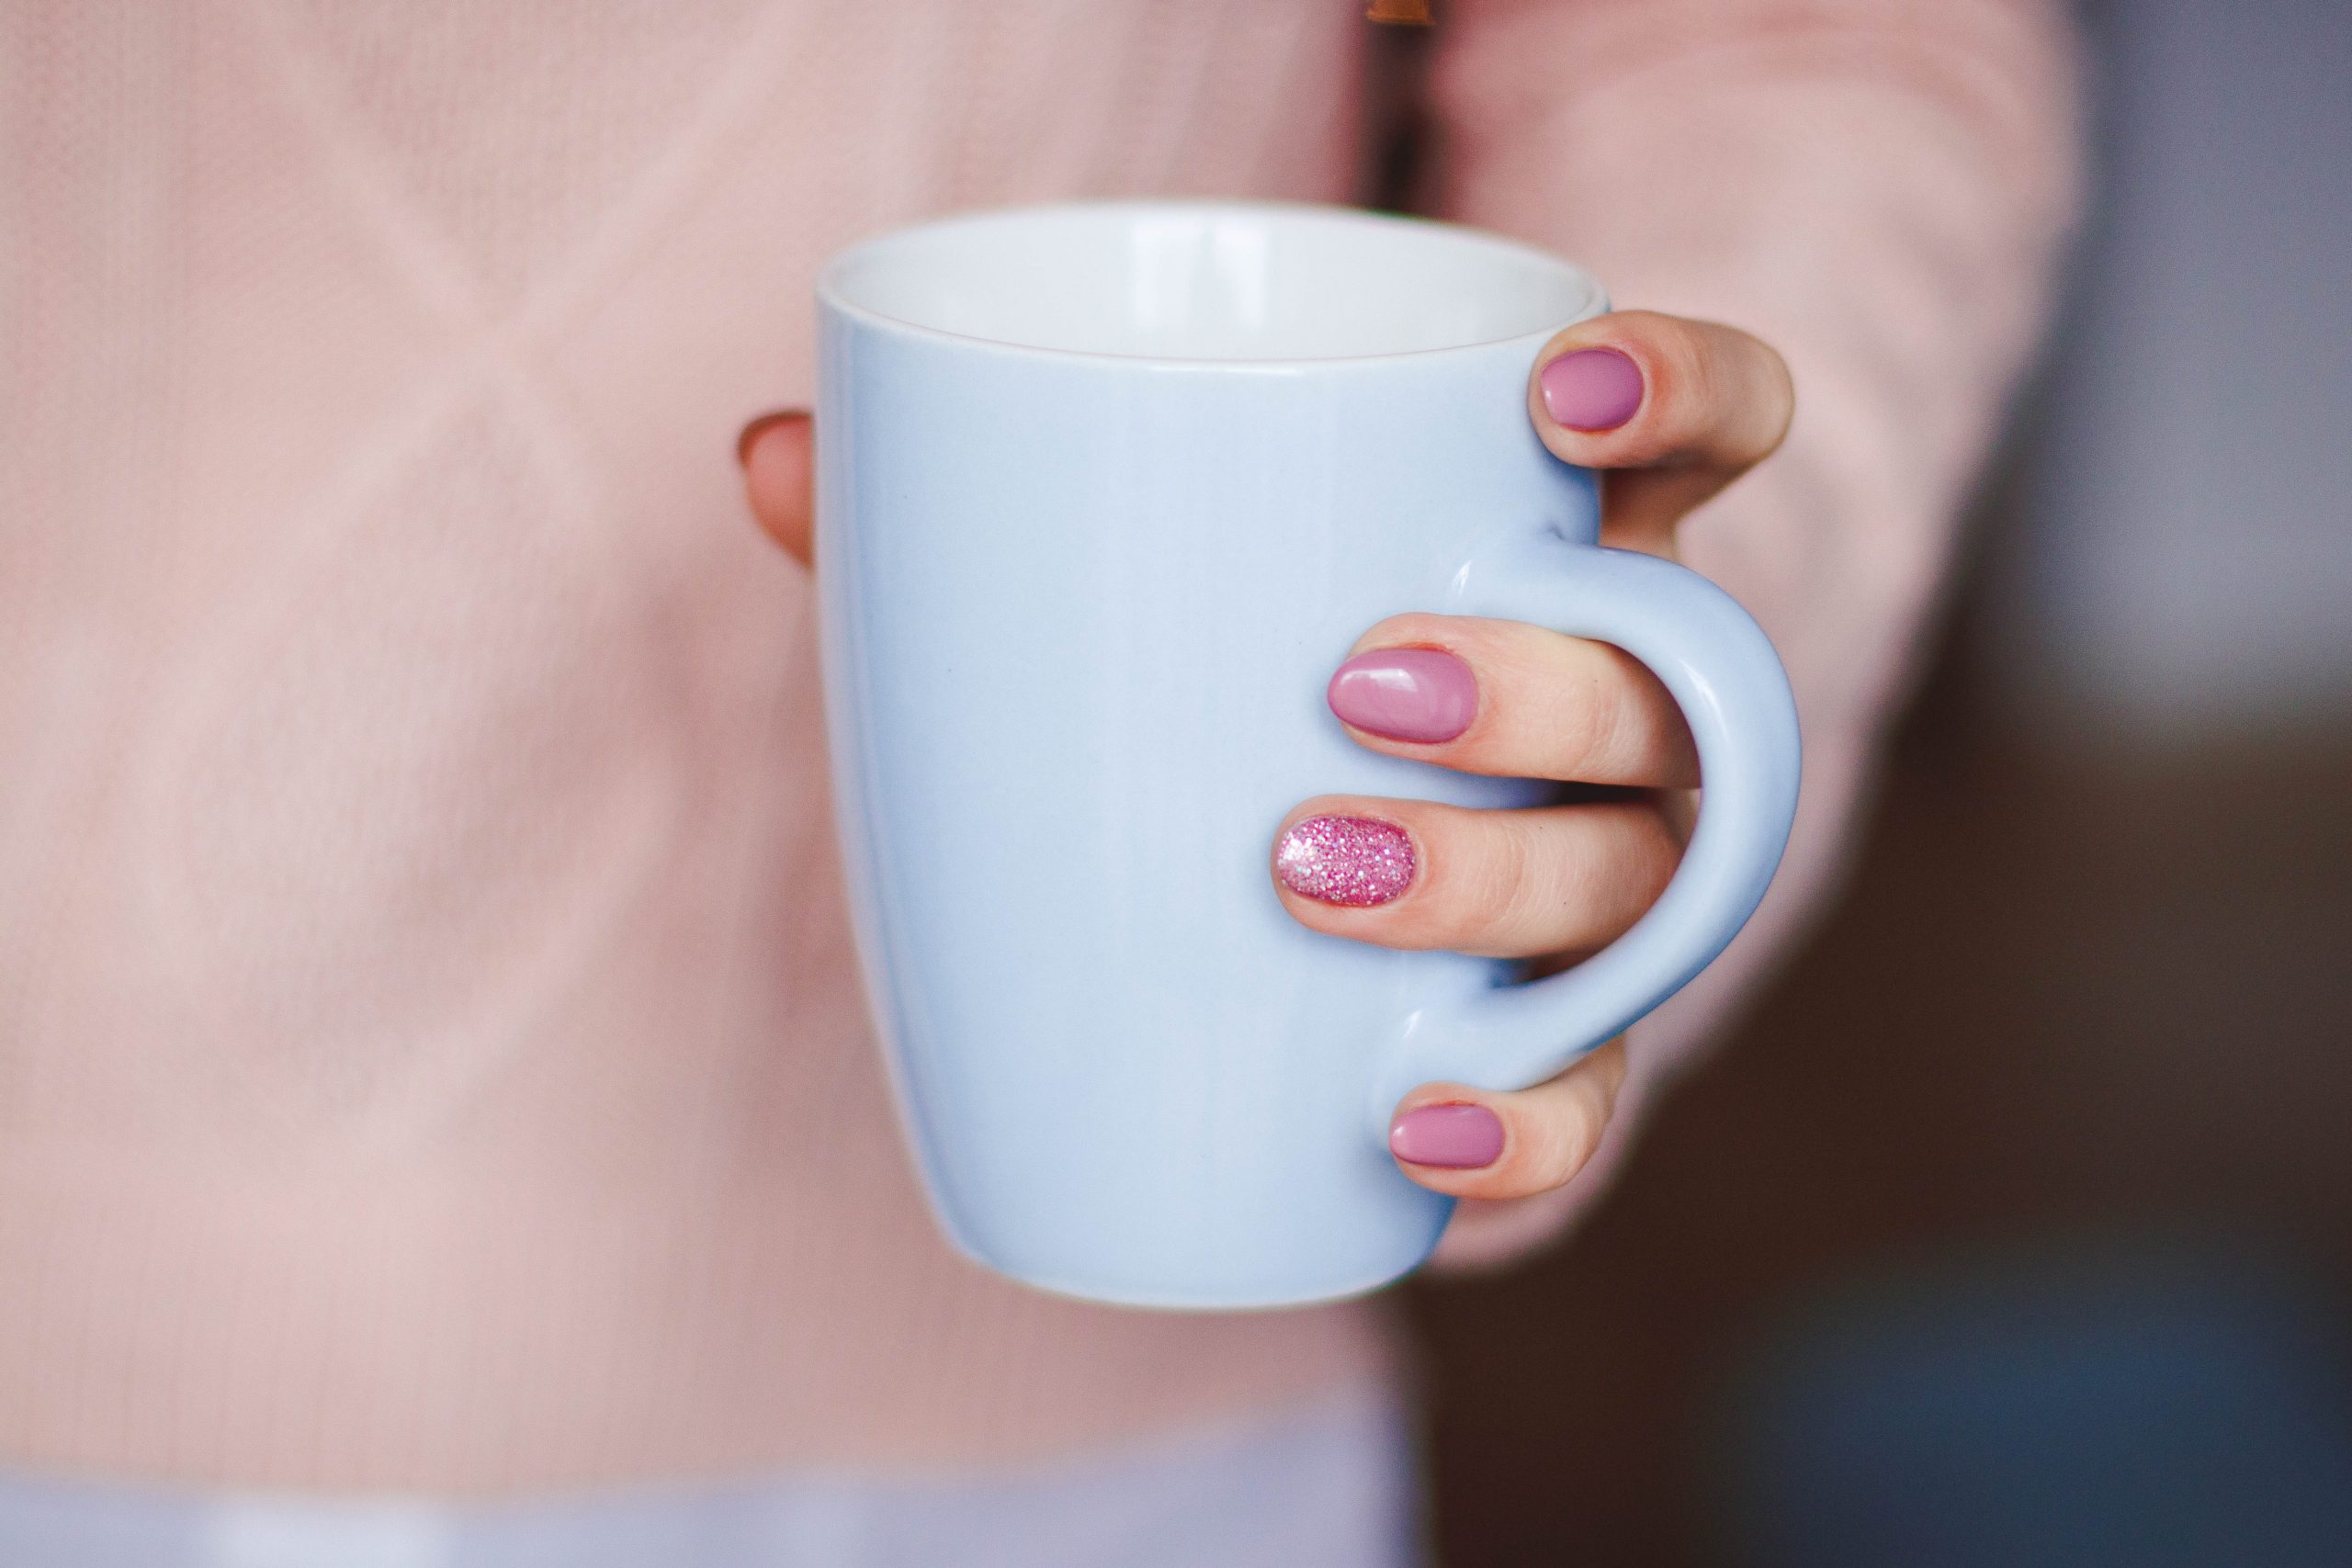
[[1413, 873]]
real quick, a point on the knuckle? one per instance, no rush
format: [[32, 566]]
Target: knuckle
[[1711, 386], [1766, 394], [1559, 1142], [1497, 894], [1654, 852], [1626, 856], [1559, 709], [1525, 885], [1601, 734], [1784, 382], [1758, 399], [1616, 874], [1690, 387]]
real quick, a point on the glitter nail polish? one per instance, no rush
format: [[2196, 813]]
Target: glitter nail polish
[[1353, 861]]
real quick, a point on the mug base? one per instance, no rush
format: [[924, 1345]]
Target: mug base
[[1158, 1298]]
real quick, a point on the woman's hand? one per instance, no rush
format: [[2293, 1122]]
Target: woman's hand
[[780, 471], [1675, 410]]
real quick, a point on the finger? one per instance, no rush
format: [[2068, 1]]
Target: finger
[[1416, 875], [1517, 700], [1471, 1143], [778, 466], [1677, 408]]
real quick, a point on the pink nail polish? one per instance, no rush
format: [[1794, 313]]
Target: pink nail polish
[[1458, 1137], [1593, 389], [1406, 693], [1353, 861]]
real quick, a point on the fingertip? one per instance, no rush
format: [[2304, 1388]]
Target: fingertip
[[1592, 389], [1512, 1145], [1641, 389], [1447, 1135], [775, 451], [752, 433], [1345, 860], [1420, 695]]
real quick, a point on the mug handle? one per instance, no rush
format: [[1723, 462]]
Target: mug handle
[[1723, 674]]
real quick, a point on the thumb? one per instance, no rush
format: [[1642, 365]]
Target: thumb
[[778, 464]]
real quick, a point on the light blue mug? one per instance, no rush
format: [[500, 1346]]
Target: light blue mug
[[1104, 494]]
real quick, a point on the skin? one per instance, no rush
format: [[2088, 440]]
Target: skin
[[1551, 884]]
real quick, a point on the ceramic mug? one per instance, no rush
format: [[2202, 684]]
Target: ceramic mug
[[1104, 494]]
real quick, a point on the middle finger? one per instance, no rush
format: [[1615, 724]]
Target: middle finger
[[1512, 700]]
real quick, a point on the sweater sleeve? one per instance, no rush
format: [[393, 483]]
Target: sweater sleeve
[[1879, 188]]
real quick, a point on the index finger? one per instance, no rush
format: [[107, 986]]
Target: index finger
[[1680, 407]]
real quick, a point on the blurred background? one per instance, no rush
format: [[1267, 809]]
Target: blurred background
[[2015, 1227]]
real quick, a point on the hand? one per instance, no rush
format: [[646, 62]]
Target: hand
[[779, 469], [1675, 410]]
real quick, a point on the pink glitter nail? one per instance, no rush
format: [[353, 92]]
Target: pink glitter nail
[[1354, 861]]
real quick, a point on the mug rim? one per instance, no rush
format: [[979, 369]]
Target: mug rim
[[830, 294]]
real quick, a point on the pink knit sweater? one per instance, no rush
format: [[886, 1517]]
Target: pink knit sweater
[[429, 1056]]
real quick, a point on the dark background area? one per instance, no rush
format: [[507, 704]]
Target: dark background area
[[2070, 997], [2088, 996]]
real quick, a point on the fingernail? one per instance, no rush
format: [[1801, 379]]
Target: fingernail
[[1406, 693], [760, 427], [1459, 1137], [1593, 389], [1354, 861]]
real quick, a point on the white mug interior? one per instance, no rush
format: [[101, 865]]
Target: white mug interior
[[1250, 282]]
